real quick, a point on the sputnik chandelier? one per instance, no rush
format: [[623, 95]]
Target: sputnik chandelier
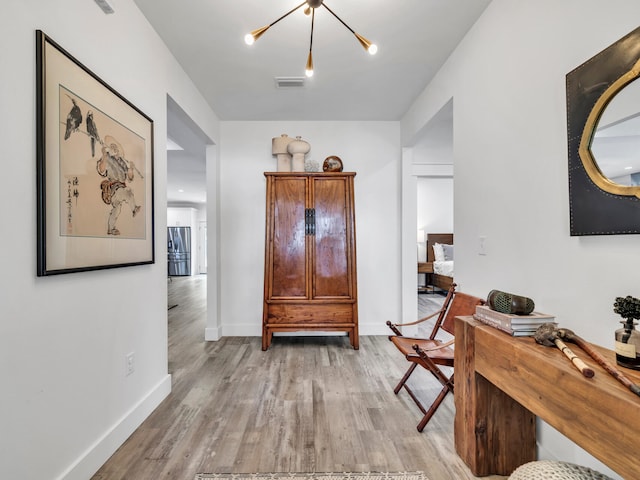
[[251, 37]]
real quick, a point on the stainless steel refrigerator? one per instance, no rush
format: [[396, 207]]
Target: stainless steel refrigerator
[[179, 250]]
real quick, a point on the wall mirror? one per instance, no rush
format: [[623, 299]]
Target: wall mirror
[[603, 128]]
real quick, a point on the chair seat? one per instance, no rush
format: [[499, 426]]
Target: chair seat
[[440, 356]]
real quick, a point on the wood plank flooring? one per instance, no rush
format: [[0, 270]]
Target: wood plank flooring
[[307, 404]]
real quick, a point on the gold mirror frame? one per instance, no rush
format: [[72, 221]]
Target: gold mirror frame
[[589, 162]]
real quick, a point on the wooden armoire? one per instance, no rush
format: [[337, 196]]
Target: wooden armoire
[[310, 255]]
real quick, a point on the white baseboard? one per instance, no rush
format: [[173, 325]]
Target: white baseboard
[[242, 330], [374, 329], [211, 334], [98, 453]]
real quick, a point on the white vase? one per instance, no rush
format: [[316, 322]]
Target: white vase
[[279, 149], [298, 149]]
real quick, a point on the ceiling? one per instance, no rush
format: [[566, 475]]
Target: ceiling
[[414, 38]]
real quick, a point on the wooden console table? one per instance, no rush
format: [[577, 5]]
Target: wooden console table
[[503, 382]]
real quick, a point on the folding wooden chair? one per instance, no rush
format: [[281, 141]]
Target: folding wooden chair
[[432, 353]]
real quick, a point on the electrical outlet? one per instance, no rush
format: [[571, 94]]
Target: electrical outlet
[[129, 363]]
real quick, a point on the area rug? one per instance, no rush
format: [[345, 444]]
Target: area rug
[[314, 476]]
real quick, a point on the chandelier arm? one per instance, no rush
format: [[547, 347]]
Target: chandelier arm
[[309, 66], [366, 44], [341, 21], [287, 14], [313, 16]]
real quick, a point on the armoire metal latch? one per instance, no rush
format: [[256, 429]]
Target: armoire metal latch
[[309, 221]]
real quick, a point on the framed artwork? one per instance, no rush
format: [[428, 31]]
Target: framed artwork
[[94, 170]]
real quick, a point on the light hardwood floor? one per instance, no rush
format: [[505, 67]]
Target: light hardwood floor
[[307, 404]]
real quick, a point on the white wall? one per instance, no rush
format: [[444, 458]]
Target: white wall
[[372, 149], [435, 208], [507, 79], [435, 204], [66, 404]]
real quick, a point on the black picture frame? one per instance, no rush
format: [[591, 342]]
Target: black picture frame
[[95, 179]]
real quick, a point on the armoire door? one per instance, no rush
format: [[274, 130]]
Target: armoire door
[[288, 248], [332, 248]]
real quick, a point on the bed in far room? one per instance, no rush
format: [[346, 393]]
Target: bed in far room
[[440, 255]]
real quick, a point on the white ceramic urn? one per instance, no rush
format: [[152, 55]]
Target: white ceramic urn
[[298, 149], [279, 149]]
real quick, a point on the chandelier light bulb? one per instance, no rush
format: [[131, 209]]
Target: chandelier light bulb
[[309, 68], [366, 44], [254, 35]]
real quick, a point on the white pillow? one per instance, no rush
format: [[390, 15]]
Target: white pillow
[[438, 252], [448, 252]]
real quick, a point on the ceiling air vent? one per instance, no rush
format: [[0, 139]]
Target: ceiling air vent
[[289, 82], [106, 6]]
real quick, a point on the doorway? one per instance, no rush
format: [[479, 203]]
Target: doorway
[[190, 152], [427, 198]]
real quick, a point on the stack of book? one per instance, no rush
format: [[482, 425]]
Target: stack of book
[[516, 325]]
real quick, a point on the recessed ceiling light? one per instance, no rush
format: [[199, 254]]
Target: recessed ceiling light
[[628, 168], [180, 190]]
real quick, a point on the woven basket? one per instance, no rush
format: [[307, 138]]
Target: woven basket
[[548, 470]]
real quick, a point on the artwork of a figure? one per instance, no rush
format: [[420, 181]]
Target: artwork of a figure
[[118, 172], [119, 182]]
